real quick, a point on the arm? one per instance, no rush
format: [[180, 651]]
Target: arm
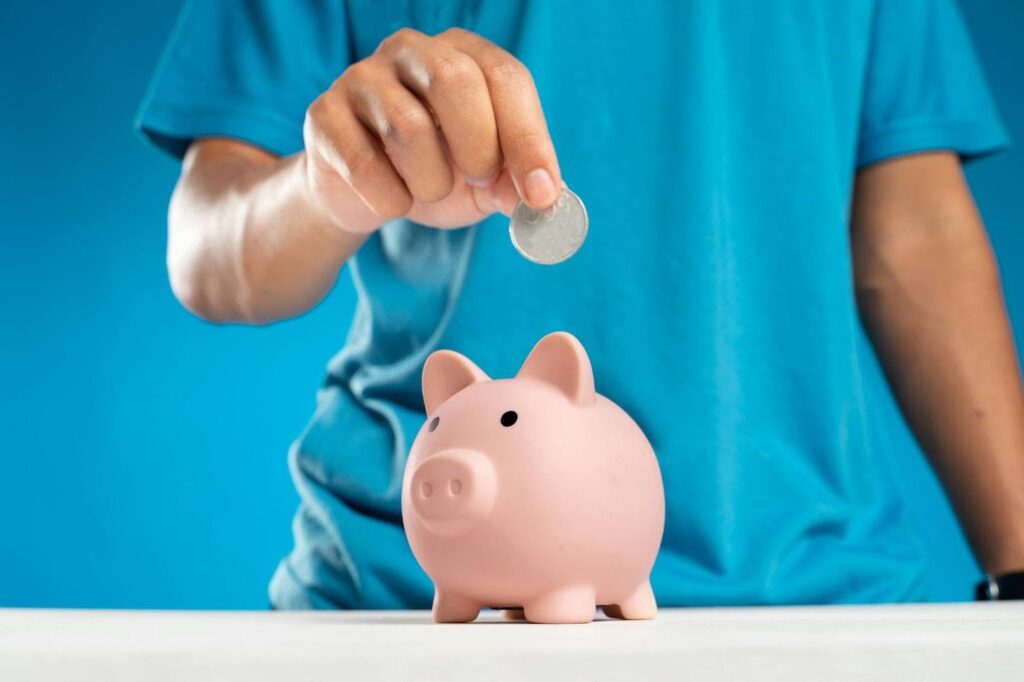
[[444, 130], [929, 294], [246, 240]]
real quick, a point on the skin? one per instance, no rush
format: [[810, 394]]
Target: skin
[[256, 238], [929, 294], [449, 129]]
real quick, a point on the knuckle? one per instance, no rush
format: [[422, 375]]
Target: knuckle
[[310, 128], [359, 72], [508, 71], [400, 38], [316, 124], [320, 109], [455, 32], [357, 162], [404, 122], [453, 72]]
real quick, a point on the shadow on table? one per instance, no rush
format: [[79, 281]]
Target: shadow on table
[[487, 617]]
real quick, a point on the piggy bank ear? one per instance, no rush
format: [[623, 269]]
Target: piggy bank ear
[[559, 359], [445, 373]]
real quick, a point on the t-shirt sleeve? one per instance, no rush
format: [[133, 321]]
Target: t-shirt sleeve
[[924, 88], [245, 69]]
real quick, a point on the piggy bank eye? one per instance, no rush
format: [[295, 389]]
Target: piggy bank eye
[[433, 423], [509, 418]]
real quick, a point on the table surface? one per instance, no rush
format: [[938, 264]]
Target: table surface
[[933, 642]]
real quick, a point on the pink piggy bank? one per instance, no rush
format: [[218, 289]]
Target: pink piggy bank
[[534, 492]]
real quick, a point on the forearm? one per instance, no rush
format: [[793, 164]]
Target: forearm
[[931, 301], [444, 130], [247, 242]]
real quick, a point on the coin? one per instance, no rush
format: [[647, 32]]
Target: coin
[[552, 235]]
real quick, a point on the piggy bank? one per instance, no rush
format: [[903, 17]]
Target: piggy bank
[[533, 493]]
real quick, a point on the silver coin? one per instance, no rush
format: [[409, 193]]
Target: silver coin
[[552, 235]]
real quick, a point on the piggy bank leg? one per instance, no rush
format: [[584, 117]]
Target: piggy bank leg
[[574, 604], [639, 605], [513, 614], [454, 608]]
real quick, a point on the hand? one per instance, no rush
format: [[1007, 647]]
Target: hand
[[444, 129]]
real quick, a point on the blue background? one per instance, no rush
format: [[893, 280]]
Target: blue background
[[143, 451]]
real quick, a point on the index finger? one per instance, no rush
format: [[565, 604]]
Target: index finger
[[522, 131]]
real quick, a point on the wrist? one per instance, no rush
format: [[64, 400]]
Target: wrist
[[1003, 587], [1011, 562], [339, 207], [1004, 570], [1003, 552]]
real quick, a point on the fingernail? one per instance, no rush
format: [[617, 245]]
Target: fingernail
[[539, 188]]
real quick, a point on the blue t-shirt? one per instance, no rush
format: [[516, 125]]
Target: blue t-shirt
[[715, 145]]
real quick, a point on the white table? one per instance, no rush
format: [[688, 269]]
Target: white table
[[972, 642]]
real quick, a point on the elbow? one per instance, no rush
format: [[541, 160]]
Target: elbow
[[191, 286], [210, 289], [196, 276], [188, 269], [205, 254], [204, 289]]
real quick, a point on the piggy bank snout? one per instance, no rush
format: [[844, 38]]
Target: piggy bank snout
[[453, 490]]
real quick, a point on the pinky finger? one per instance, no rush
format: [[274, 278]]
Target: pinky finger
[[357, 156]]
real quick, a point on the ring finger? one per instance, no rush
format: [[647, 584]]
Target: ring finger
[[406, 130]]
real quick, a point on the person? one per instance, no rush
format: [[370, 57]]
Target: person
[[780, 233]]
